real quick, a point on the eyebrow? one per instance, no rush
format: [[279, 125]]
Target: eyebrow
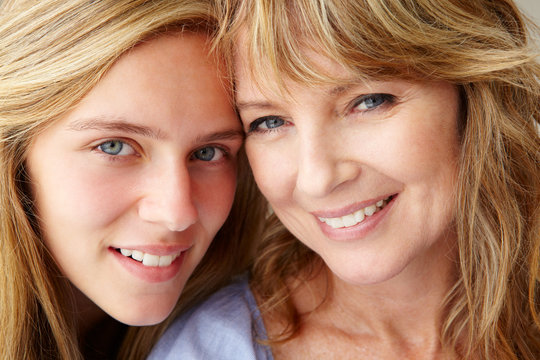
[[335, 91], [221, 135], [120, 124], [241, 105], [340, 89], [117, 124]]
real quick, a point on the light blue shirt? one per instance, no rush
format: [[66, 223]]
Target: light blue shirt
[[224, 327]]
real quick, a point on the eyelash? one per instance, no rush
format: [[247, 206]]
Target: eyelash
[[385, 100], [225, 153], [254, 126], [116, 157]]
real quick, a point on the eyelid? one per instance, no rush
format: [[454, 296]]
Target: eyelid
[[225, 150], [254, 126], [388, 99], [126, 142]]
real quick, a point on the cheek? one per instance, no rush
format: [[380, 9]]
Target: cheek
[[435, 155], [274, 171], [426, 163], [418, 157], [80, 197], [434, 140], [419, 148], [214, 195]]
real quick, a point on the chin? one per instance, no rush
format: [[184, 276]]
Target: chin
[[369, 275], [143, 314], [143, 319]]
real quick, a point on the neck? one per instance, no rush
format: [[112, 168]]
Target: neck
[[408, 307], [89, 315], [99, 334]]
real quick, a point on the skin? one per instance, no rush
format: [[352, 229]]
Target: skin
[[146, 161], [328, 151]]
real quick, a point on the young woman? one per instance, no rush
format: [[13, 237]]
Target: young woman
[[119, 150], [397, 143]]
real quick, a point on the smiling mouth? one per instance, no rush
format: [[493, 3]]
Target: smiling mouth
[[149, 259], [356, 217]]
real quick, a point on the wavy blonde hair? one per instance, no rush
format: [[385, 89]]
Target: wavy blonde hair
[[481, 46], [51, 55]]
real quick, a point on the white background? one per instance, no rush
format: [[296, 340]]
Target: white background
[[531, 8]]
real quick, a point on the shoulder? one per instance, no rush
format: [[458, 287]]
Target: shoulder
[[226, 326]]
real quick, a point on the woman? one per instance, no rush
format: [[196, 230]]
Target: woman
[[397, 143], [119, 151]]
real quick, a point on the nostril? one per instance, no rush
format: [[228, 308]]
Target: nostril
[[321, 177], [171, 204], [176, 227]]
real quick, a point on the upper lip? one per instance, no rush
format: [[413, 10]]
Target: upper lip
[[348, 209], [160, 250]]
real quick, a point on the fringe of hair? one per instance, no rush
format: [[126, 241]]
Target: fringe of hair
[[481, 46]]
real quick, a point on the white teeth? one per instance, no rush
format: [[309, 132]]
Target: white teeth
[[370, 210], [126, 252], [336, 223], [165, 260], [149, 259], [349, 220], [359, 215], [137, 255], [354, 218]]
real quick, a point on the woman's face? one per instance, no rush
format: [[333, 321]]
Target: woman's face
[[363, 174], [132, 185]]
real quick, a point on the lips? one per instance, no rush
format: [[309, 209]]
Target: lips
[[148, 259], [356, 217], [152, 264]]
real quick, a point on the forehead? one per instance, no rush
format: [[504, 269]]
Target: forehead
[[189, 49], [167, 85], [257, 75]]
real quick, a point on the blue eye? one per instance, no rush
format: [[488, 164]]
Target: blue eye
[[209, 153], [372, 101], [266, 123], [116, 147]]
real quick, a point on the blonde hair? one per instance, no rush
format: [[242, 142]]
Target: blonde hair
[[51, 54], [483, 48]]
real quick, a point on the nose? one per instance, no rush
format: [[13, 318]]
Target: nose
[[168, 198], [323, 162]]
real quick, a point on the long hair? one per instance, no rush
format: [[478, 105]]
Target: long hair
[[482, 47], [52, 53]]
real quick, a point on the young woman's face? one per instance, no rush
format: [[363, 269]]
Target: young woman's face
[[363, 174], [132, 185]]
